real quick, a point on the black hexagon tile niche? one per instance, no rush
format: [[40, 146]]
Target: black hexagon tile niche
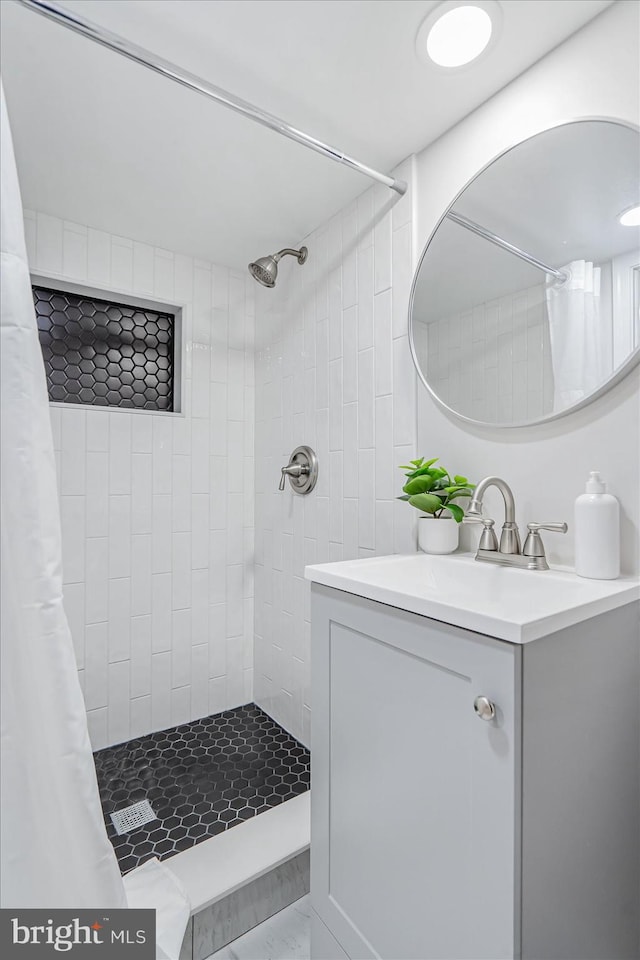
[[201, 779], [103, 353]]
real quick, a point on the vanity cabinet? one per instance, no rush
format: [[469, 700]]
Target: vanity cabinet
[[438, 834]]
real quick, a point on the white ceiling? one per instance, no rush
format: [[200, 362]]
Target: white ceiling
[[103, 141], [558, 196]]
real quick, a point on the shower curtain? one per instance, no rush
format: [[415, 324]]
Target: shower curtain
[[54, 847], [580, 345], [54, 850]]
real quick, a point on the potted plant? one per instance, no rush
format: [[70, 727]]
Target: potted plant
[[432, 490]]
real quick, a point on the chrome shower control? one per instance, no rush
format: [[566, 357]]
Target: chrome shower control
[[484, 708], [302, 471]]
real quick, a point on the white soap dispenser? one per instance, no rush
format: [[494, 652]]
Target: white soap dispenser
[[597, 531]]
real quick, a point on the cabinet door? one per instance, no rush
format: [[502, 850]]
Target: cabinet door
[[413, 796]]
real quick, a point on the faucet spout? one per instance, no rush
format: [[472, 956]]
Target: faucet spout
[[510, 538]]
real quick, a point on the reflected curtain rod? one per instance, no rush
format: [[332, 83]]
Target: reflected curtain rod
[[146, 58], [558, 275]]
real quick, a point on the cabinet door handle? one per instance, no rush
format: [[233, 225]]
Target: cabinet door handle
[[484, 708]]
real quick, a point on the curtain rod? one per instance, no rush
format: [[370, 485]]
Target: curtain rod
[[167, 69], [480, 231]]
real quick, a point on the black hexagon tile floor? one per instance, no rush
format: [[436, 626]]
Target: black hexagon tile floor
[[200, 778]]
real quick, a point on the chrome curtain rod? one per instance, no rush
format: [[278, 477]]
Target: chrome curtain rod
[[505, 245], [167, 69]]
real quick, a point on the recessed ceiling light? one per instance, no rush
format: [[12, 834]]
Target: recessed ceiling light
[[631, 217], [456, 32]]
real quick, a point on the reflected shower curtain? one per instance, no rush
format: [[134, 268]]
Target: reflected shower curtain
[[579, 334], [54, 847]]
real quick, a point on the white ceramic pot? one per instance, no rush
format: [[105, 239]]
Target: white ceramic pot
[[437, 534]]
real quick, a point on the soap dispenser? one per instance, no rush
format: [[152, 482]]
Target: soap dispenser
[[597, 531]]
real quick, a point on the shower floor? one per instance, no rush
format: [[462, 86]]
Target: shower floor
[[201, 778]]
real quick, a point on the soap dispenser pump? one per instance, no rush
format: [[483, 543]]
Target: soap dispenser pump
[[597, 531]]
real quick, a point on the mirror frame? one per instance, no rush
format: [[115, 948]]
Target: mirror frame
[[632, 360]]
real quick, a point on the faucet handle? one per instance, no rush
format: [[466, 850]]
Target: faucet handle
[[488, 539], [533, 545], [556, 527]]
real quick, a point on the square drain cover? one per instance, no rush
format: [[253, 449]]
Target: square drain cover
[[133, 817]]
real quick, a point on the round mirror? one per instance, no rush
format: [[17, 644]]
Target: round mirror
[[526, 301]]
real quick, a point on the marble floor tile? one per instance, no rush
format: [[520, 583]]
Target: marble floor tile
[[285, 936]]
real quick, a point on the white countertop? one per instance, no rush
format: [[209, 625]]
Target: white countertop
[[507, 603]]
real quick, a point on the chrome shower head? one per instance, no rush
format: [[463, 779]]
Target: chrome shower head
[[265, 270]]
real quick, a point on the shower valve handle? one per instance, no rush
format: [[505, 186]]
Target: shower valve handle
[[292, 470], [302, 471]]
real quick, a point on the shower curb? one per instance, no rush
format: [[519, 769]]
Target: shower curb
[[240, 878], [222, 922]]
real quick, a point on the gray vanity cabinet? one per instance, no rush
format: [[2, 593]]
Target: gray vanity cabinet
[[437, 834]]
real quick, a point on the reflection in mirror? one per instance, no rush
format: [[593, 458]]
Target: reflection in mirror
[[526, 302]]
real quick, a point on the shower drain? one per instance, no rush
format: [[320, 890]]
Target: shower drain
[[130, 818]]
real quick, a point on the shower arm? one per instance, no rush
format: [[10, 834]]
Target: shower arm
[[300, 255], [144, 57]]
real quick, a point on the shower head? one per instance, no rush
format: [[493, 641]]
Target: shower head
[[265, 270]]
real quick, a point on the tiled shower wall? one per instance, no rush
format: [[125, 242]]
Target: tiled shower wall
[[493, 363], [157, 509], [333, 370]]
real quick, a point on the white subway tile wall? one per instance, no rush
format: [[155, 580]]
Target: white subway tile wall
[[333, 370], [493, 363], [157, 509]]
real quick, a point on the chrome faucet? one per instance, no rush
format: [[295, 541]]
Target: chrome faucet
[[510, 537], [508, 552]]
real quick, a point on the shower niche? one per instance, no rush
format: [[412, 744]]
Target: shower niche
[[525, 304], [104, 351]]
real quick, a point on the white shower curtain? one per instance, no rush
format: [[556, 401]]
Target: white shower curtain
[[54, 847], [580, 347]]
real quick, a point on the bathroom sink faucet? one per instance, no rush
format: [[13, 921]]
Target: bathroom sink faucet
[[508, 552], [510, 537]]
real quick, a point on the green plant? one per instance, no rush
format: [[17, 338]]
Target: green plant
[[431, 489]]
